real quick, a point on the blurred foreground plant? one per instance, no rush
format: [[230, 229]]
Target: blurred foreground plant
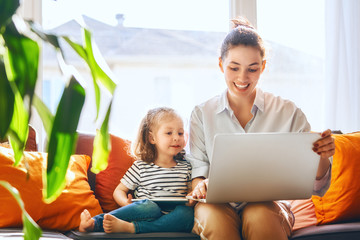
[[19, 66]]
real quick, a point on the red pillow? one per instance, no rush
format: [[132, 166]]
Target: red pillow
[[31, 142], [64, 213], [107, 180], [342, 201]]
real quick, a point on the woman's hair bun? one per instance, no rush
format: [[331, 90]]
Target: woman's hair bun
[[241, 22]]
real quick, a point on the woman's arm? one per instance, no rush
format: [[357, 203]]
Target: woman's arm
[[121, 195], [197, 156]]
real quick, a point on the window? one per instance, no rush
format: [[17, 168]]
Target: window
[[295, 66], [165, 53], [161, 52]]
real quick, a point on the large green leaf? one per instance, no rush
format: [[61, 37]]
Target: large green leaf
[[82, 53], [7, 9], [79, 49], [31, 230], [63, 139], [19, 126], [98, 74], [44, 113], [21, 64], [7, 101], [102, 146], [21, 61]]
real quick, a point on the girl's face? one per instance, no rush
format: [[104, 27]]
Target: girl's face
[[168, 137], [242, 68]]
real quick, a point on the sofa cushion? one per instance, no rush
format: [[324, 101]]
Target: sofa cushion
[[107, 180], [31, 142], [84, 146], [64, 213], [338, 231], [342, 201], [17, 233], [139, 236]]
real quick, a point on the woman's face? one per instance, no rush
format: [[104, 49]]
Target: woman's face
[[242, 68]]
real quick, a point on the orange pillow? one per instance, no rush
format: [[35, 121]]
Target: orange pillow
[[64, 213], [342, 201], [304, 213], [107, 180]]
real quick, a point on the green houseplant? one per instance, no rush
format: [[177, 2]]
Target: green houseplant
[[19, 65]]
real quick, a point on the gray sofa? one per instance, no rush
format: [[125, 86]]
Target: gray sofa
[[339, 231]]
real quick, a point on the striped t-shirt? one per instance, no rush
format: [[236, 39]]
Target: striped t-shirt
[[152, 181]]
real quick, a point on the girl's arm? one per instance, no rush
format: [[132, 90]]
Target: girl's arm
[[121, 195]]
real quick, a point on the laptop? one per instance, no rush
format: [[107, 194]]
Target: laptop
[[255, 167]]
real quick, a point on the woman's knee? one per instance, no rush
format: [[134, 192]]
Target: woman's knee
[[217, 216], [210, 210], [216, 221], [259, 212], [264, 219]]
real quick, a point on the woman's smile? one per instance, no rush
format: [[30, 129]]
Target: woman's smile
[[241, 86]]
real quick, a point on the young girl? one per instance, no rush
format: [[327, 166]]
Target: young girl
[[159, 172]]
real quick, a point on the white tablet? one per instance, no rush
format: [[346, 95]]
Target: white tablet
[[174, 200]]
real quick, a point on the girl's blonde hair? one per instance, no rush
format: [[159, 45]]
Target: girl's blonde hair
[[141, 147]]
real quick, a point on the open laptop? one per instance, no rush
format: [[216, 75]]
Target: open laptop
[[255, 167]]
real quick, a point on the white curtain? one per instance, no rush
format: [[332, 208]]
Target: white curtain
[[342, 65]]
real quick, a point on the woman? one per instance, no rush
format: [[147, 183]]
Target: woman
[[243, 108]]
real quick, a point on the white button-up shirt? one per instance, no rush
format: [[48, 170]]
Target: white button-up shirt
[[270, 114]]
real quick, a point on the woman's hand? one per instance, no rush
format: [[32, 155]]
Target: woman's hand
[[325, 147], [200, 189], [199, 186]]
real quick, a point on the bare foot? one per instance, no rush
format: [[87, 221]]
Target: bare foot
[[113, 224], [86, 222]]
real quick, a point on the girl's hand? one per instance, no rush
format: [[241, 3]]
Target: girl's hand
[[129, 199], [325, 147]]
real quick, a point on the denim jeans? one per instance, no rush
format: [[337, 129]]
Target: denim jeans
[[147, 217]]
